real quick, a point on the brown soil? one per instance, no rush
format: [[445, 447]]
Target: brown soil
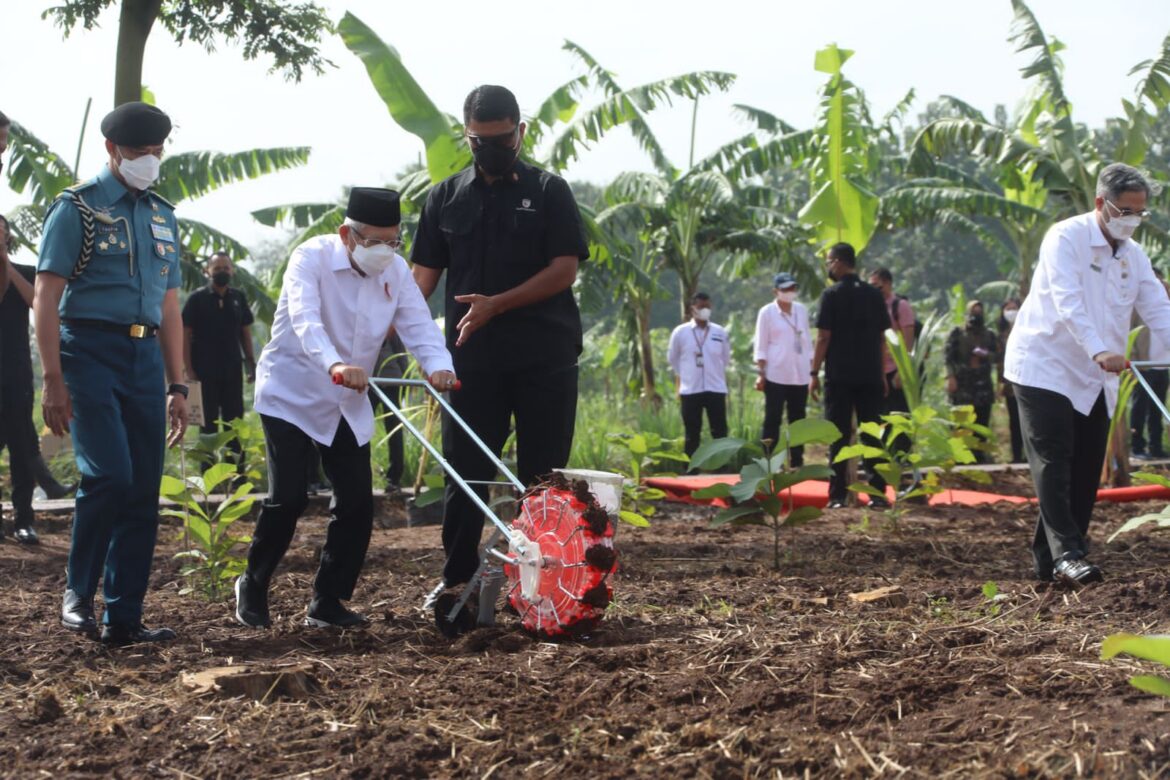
[[709, 664]]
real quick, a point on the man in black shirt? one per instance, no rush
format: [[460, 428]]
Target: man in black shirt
[[510, 238], [851, 322], [217, 328], [17, 431]]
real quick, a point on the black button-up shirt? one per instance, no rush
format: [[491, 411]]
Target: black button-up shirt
[[855, 314], [215, 324], [491, 238], [16, 366]]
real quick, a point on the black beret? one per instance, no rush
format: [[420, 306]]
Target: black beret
[[136, 124], [373, 206]]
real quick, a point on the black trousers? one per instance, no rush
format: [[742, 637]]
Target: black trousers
[[543, 402], [18, 434], [223, 399], [842, 401], [895, 401], [983, 417], [1065, 452], [1017, 439], [394, 445], [693, 405], [1145, 416], [352, 508], [777, 397]]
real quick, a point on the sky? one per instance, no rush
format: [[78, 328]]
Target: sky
[[220, 102]]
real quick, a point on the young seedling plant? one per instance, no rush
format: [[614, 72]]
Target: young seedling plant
[[1160, 519], [935, 441], [1149, 648], [211, 559], [763, 495], [641, 453]]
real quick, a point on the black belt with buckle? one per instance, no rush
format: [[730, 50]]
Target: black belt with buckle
[[135, 331]]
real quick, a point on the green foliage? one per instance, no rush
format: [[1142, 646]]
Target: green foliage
[[1160, 519], [759, 495], [1154, 648], [211, 560], [642, 451], [936, 441]]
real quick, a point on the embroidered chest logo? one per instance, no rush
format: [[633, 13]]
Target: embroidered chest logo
[[525, 205]]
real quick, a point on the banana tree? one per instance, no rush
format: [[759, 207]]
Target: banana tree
[[40, 173], [1040, 169]]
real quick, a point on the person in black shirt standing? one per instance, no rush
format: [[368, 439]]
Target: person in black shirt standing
[[17, 431], [510, 238], [851, 322], [217, 325]]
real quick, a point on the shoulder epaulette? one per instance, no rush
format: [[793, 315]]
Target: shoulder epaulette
[[154, 194]]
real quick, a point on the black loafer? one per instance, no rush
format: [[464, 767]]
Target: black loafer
[[251, 603], [1076, 572], [77, 613], [326, 611], [115, 634], [26, 535]]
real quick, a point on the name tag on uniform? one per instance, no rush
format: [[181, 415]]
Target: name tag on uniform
[[162, 232], [1095, 267]]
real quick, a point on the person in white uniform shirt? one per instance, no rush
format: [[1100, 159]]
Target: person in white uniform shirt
[[341, 296], [699, 353], [1063, 357], [783, 353]]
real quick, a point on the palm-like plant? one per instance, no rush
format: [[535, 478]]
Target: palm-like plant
[[39, 172], [1039, 170]]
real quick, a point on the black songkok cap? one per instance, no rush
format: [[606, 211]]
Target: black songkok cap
[[136, 124], [373, 206]]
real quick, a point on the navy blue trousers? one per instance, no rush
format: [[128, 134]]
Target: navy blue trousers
[[119, 427]]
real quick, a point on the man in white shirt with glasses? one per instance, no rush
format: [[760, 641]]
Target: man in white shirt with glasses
[[1063, 357], [783, 353], [342, 293], [699, 354]]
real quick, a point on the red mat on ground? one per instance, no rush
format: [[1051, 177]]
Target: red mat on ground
[[816, 493]]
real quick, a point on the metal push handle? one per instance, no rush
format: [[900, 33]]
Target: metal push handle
[[438, 456], [1137, 366]]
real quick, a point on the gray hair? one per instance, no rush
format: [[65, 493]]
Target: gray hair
[[1118, 178], [354, 224]]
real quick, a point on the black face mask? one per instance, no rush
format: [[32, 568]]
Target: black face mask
[[495, 160], [221, 278], [975, 320]]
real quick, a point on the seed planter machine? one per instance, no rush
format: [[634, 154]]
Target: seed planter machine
[[553, 561]]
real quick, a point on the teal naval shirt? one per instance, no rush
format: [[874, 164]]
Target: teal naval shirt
[[135, 254]]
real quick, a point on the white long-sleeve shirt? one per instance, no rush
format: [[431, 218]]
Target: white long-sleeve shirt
[[687, 341], [783, 342], [329, 313], [1080, 304]]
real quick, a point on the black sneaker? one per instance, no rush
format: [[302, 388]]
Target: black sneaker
[[876, 502], [26, 535], [1076, 572], [119, 635], [325, 611], [251, 603], [837, 503]]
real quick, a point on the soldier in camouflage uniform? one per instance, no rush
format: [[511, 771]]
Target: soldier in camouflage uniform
[[970, 354]]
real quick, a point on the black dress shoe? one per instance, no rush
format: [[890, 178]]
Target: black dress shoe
[[251, 603], [326, 611], [1076, 572], [115, 634], [77, 613], [26, 535]]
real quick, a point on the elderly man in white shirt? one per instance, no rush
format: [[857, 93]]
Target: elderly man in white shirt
[[1063, 357], [783, 354], [699, 354], [342, 294]]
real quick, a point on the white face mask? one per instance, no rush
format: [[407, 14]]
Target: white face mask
[[788, 296], [1010, 315], [1120, 227], [140, 172], [702, 315], [373, 260]]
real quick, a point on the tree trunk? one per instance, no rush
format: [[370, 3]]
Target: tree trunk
[[134, 25], [646, 356]]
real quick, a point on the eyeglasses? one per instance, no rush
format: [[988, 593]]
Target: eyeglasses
[[370, 243], [1143, 214], [506, 140]]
